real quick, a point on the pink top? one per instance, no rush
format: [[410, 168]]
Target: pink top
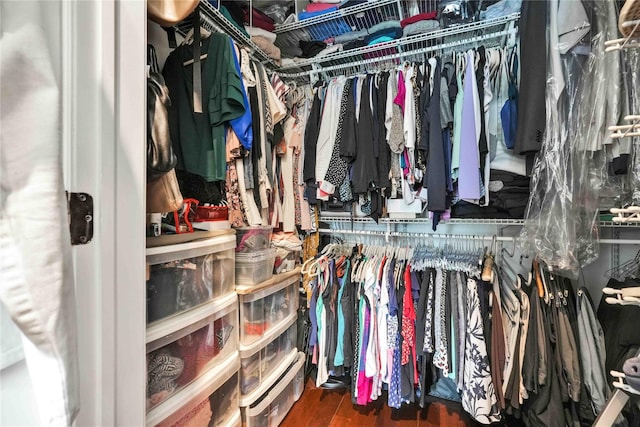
[[402, 90]]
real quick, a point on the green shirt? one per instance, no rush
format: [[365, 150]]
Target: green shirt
[[199, 138]]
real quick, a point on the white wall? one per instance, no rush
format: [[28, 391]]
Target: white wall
[[17, 402]]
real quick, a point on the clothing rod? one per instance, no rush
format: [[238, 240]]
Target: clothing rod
[[400, 55], [421, 235], [619, 241], [455, 236]]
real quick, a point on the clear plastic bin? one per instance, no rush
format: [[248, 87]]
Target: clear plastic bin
[[253, 239], [286, 261], [209, 401], [254, 268], [181, 277], [272, 408], [262, 310], [224, 402], [178, 358], [257, 366]]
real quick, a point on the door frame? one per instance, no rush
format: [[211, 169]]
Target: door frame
[[104, 128]]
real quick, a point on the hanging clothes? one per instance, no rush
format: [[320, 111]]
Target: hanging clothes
[[469, 169], [199, 138]]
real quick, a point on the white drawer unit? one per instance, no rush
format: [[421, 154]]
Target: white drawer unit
[[274, 406], [184, 276]]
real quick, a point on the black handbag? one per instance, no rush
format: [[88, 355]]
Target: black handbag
[[160, 156]]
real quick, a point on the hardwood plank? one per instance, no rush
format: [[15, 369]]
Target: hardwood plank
[[406, 416], [437, 414], [333, 408], [315, 408]]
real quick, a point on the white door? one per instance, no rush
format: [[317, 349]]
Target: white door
[[99, 55], [98, 51], [104, 76]]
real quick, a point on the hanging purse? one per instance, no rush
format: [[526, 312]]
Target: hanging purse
[[160, 156], [163, 192]]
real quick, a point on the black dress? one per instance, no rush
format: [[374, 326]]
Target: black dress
[[365, 165]]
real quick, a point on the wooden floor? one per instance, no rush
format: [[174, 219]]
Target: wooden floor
[[328, 408]]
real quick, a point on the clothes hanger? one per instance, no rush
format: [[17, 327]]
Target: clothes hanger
[[513, 249], [630, 268], [487, 269], [537, 278], [189, 40]]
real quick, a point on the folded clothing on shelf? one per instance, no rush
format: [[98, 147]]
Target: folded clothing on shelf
[[420, 27], [287, 241], [501, 8], [385, 25], [261, 32], [349, 3], [509, 192], [417, 18], [508, 198], [329, 50], [259, 19], [383, 35], [234, 10], [306, 14], [351, 36], [325, 30], [291, 51], [311, 49], [269, 48], [278, 12], [320, 7]]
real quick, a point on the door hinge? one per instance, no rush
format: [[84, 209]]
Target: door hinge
[[80, 211]]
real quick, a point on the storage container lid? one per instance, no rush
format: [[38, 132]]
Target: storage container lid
[[254, 257], [253, 227]]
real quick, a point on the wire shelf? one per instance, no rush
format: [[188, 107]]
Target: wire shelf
[[213, 20], [348, 19], [346, 218], [384, 55]]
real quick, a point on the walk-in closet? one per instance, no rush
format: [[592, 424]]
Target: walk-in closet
[[263, 213]]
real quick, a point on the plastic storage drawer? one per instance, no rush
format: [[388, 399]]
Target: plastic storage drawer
[[211, 400], [183, 276], [286, 261], [271, 410], [264, 309], [253, 239], [254, 268], [265, 364], [177, 358]]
